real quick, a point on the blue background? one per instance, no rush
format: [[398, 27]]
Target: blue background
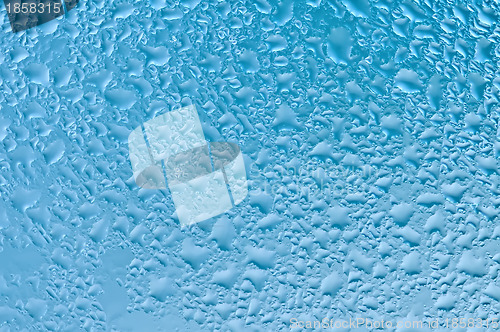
[[371, 138]]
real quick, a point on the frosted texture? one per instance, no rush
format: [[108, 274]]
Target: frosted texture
[[369, 131]]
